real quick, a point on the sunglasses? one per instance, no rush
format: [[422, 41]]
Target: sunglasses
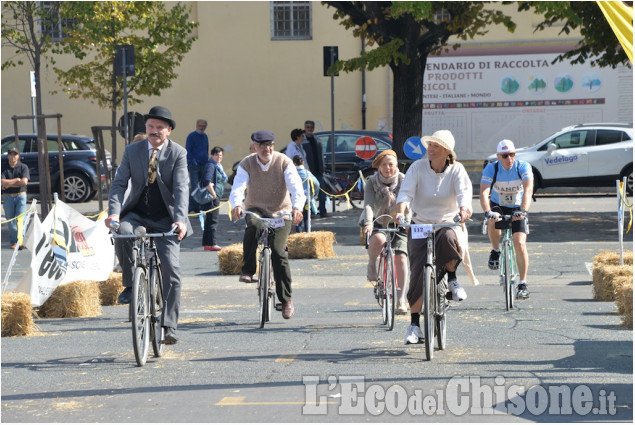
[[505, 155]]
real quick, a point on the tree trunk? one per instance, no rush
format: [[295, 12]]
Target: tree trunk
[[407, 103]]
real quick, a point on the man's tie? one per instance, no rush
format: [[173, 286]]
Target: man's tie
[[152, 167]]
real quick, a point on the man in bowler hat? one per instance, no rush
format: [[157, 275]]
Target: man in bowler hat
[[158, 200]]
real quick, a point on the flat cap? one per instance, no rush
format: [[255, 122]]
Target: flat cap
[[262, 136]]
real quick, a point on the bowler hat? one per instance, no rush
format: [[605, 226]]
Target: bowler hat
[[262, 136], [160, 113], [443, 138]]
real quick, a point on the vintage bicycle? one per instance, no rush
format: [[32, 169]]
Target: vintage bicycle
[[386, 287], [146, 305], [508, 268], [435, 301], [266, 285]]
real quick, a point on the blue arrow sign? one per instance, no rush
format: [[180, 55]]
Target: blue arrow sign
[[413, 148]]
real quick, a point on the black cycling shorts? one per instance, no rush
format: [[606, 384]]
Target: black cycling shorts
[[517, 226]]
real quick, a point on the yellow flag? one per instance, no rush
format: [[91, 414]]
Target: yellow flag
[[620, 17]]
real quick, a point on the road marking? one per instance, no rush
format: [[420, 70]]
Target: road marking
[[369, 285], [289, 359], [240, 401], [352, 303]]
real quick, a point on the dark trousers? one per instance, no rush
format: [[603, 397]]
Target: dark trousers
[[279, 255], [446, 248], [211, 221], [196, 172], [168, 249], [321, 194]]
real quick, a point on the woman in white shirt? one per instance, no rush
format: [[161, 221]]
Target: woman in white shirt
[[436, 188]]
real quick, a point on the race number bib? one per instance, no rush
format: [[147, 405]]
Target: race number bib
[[277, 222], [421, 231], [508, 199]]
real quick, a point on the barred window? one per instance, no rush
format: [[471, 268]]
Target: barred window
[[51, 22], [291, 20]]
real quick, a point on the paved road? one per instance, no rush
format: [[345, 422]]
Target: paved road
[[334, 361]]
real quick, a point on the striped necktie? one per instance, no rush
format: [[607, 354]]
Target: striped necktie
[[152, 167]]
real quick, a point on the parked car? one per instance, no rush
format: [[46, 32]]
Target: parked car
[[345, 158], [581, 155], [80, 176]]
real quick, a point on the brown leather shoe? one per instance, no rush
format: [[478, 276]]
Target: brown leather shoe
[[288, 310]]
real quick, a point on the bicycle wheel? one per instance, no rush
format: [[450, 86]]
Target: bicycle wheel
[[140, 322], [507, 277], [357, 198], [442, 306], [264, 275], [156, 308], [428, 310], [389, 291], [380, 288]]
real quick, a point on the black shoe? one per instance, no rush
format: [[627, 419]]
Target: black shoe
[[125, 297], [493, 262], [169, 336], [523, 292]]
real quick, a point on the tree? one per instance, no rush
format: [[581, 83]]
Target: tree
[[161, 38], [22, 23], [599, 45], [405, 34]]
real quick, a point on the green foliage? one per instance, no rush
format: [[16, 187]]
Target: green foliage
[[599, 45], [20, 30], [161, 38]]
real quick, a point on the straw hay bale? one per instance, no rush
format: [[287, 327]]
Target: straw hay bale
[[110, 289], [624, 301], [73, 299], [17, 317], [613, 258], [230, 259], [607, 279], [311, 245]]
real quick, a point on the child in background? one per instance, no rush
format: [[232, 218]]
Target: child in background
[[306, 175]]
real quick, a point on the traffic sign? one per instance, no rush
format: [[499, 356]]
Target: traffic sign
[[413, 148], [365, 147]]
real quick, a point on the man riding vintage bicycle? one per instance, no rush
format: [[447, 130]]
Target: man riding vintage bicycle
[[158, 200], [272, 184], [511, 185]]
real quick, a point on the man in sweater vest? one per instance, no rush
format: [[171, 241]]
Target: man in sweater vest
[[272, 184]]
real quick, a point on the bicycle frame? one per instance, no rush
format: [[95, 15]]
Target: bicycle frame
[[386, 275], [434, 304], [146, 307], [508, 266], [266, 285]]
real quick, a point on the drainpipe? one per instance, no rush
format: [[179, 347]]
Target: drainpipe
[[363, 90]]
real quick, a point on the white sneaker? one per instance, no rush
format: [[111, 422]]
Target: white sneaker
[[458, 293], [414, 335]]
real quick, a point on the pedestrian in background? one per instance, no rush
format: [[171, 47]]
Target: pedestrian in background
[[310, 185], [315, 162], [197, 146], [14, 180], [214, 182], [295, 146]]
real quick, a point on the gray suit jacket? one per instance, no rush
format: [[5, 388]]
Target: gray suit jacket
[[172, 177]]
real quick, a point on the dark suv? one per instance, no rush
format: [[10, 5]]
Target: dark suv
[[80, 177]]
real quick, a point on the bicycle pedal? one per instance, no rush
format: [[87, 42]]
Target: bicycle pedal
[[278, 306]]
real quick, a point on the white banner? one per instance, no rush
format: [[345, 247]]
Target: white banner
[[66, 247]]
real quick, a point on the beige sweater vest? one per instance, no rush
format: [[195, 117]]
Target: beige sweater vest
[[267, 190]]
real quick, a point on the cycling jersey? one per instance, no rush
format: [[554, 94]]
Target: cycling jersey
[[507, 185]]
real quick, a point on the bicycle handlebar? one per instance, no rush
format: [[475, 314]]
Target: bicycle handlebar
[[280, 214], [139, 232]]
